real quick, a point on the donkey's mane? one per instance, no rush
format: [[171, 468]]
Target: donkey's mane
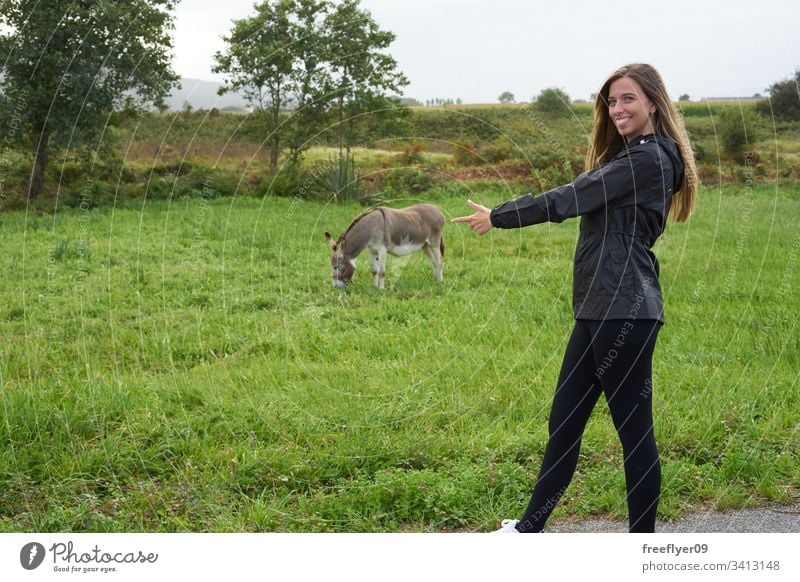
[[352, 224]]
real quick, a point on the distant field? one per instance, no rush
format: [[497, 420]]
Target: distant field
[[172, 156], [187, 366]]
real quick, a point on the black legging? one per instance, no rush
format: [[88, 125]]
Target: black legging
[[614, 357]]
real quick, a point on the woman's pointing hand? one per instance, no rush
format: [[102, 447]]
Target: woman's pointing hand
[[480, 222]]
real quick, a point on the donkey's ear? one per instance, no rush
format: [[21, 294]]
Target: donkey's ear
[[331, 242]]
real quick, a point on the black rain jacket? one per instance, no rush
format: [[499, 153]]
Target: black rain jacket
[[623, 206]]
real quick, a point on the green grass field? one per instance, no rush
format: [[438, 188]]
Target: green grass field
[[187, 366]]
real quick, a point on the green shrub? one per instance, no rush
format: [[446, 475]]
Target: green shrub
[[412, 154], [737, 129], [178, 167], [404, 181], [91, 194], [225, 183], [569, 162], [158, 188], [784, 100], [699, 151], [498, 151], [195, 178], [288, 183], [552, 176], [465, 152], [15, 170], [552, 100], [69, 172]]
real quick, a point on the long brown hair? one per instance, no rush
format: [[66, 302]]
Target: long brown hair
[[607, 142]]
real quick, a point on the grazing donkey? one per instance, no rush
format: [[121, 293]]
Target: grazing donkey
[[382, 230]]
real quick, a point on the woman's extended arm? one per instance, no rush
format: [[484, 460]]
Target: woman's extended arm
[[590, 191]]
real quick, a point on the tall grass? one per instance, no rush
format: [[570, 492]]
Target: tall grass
[[188, 367]]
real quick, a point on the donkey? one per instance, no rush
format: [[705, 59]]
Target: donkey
[[382, 230]]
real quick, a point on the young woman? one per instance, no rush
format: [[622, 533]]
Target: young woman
[[640, 168]]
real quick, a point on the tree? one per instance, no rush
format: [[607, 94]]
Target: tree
[[266, 59], [311, 57], [684, 97], [552, 100], [506, 97], [784, 99], [361, 72], [74, 62]]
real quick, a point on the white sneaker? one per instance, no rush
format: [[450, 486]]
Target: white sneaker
[[508, 526]]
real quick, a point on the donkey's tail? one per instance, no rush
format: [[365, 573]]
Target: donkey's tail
[[441, 246]]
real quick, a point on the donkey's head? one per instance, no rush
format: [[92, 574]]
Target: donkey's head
[[342, 267]]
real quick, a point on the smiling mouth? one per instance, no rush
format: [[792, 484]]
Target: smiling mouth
[[622, 120]]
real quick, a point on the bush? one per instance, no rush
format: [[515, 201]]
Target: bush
[[498, 151], [699, 151], [176, 167], [552, 100], [197, 178], [737, 129], [404, 181], [98, 195], [552, 176], [70, 172], [412, 154], [158, 188], [15, 168], [567, 161], [465, 152], [784, 100], [289, 182]]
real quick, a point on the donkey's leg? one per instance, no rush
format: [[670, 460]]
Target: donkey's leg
[[432, 249], [382, 252], [376, 267]]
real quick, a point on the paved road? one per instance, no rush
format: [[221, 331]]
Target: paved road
[[772, 519]]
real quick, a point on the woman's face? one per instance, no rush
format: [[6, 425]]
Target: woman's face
[[630, 108]]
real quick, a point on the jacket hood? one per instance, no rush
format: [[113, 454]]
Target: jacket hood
[[671, 149]]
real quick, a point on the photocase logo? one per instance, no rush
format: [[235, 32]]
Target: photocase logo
[[31, 556]]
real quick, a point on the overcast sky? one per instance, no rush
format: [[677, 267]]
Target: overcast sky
[[476, 49]]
